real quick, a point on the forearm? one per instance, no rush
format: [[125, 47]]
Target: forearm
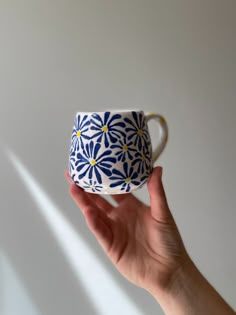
[[191, 294]]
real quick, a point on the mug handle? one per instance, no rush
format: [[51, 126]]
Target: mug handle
[[163, 129]]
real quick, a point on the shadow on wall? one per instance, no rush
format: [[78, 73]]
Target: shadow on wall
[[97, 284]]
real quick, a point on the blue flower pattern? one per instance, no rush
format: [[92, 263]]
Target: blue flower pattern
[[92, 185], [91, 162], [137, 129], [81, 125], [124, 150], [108, 128], [125, 178], [142, 160], [126, 140]]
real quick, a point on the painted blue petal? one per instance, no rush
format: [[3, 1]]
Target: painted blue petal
[[86, 150], [97, 117], [118, 132], [80, 166], [131, 171], [108, 159], [84, 173], [96, 149], [105, 170], [134, 114], [116, 116], [78, 122], [136, 141], [140, 122], [98, 176], [128, 121], [116, 172], [113, 146], [129, 155], [83, 121], [90, 175], [128, 188], [119, 124], [134, 162], [128, 129], [132, 135], [106, 140], [126, 168], [80, 157], [135, 182], [84, 130], [95, 128], [106, 117], [93, 122], [105, 165], [113, 139], [107, 152], [117, 178], [135, 175], [87, 123], [115, 184], [91, 146], [86, 137]]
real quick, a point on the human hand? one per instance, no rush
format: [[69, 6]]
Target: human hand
[[143, 242]]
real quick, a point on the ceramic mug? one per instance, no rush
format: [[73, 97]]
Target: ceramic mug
[[111, 151]]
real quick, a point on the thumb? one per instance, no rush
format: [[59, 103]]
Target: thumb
[[159, 207]]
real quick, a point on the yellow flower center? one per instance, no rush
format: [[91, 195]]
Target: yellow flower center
[[78, 133], [93, 162], [140, 132], [143, 156], [125, 147], [127, 180], [104, 128]]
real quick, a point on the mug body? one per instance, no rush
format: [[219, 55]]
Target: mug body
[[111, 152]]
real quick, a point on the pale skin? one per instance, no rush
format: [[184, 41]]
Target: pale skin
[[144, 244]]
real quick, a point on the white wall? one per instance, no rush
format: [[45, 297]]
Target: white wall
[[177, 58]]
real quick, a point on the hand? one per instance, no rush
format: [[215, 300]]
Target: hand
[[143, 242]]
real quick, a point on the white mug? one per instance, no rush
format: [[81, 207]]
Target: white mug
[[111, 151]]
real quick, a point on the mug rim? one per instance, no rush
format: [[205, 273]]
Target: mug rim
[[111, 111]]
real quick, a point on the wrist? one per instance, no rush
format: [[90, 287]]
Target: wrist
[[181, 279], [182, 288], [188, 292]]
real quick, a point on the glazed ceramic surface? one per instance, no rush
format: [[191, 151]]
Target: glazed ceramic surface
[[111, 152]]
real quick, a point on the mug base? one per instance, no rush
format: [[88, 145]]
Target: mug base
[[109, 191]]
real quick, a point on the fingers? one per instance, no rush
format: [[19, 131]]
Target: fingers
[[96, 219], [159, 207], [101, 226], [100, 202], [119, 198], [80, 196], [68, 176]]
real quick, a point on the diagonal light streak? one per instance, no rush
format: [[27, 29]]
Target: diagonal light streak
[[14, 296], [97, 282]]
